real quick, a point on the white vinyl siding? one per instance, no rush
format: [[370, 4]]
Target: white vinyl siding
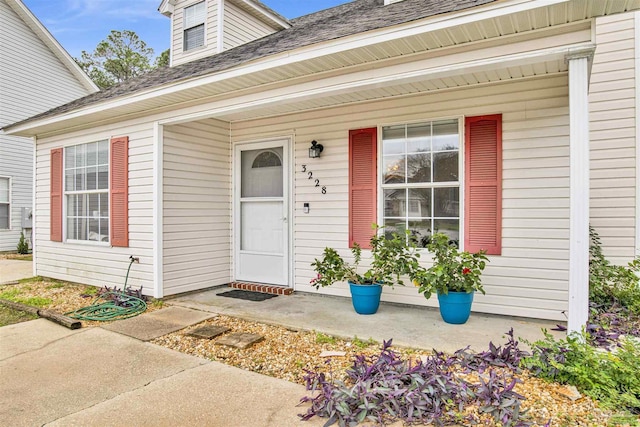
[[531, 277], [241, 28], [32, 80], [93, 264], [612, 100], [196, 206]]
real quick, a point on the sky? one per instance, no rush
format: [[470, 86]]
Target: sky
[[81, 24]]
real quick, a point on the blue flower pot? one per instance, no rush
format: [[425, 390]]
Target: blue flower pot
[[455, 307], [365, 298]]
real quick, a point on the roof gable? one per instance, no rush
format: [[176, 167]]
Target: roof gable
[[45, 36]]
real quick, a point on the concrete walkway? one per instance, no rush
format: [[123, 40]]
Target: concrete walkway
[[409, 326], [53, 376], [12, 270]]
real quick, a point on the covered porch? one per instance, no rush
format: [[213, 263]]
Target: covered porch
[[540, 86], [408, 325]]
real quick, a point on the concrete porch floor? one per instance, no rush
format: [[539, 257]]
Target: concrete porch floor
[[409, 326]]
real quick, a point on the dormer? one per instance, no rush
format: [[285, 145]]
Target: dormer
[[202, 28]]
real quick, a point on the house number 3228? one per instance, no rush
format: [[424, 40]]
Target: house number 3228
[[323, 189]]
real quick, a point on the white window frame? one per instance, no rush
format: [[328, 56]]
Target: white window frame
[[461, 171], [8, 203], [67, 193], [192, 25]]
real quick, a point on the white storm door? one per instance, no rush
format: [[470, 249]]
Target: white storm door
[[261, 212]]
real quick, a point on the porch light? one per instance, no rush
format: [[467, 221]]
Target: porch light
[[315, 149]]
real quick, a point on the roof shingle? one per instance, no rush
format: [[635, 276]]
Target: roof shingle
[[355, 17]]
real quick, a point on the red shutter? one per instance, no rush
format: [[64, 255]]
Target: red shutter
[[363, 147], [57, 172], [119, 191], [483, 184]]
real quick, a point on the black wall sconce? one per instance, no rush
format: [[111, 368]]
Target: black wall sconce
[[315, 149]]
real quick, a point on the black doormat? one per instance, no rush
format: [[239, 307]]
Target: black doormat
[[247, 295]]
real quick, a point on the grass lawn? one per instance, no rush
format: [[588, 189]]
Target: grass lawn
[[9, 316]]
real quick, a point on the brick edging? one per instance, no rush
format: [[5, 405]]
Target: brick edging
[[265, 289]]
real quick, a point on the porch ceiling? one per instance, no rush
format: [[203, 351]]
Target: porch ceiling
[[452, 80]]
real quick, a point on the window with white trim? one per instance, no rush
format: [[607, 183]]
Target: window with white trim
[[193, 21], [86, 190], [5, 203], [421, 179]]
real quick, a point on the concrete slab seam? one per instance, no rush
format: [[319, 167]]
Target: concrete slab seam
[[79, 331], [124, 394]]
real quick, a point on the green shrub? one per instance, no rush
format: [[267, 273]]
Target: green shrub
[[23, 246], [610, 284], [608, 376]]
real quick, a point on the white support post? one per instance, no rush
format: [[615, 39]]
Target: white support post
[[34, 252], [579, 189], [158, 197]]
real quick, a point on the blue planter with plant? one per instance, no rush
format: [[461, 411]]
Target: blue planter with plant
[[454, 276], [365, 298], [455, 307], [391, 258]]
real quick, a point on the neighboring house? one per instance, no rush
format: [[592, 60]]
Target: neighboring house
[[36, 74], [471, 117]]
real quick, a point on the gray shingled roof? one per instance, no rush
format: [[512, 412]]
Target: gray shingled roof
[[348, 19]]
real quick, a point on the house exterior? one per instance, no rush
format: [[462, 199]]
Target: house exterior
[[36, 74], [510, 125]]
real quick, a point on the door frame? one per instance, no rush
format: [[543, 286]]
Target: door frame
[[286, 142]]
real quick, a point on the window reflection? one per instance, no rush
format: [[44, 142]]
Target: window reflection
[[421, 188]]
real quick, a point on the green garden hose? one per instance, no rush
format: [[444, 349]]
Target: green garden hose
[[115, 305]]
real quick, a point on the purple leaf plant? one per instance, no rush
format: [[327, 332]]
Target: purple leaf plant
[[386, 387]]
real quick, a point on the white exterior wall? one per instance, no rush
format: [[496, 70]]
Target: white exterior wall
[[531, 276], [240, 27], [32, 80], [197, 206], [613, 137], [178, 55], [92, 262]]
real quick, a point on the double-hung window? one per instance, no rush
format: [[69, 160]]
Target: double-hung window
[[86, 190], [421, 179], [194, 17], [5, 203]]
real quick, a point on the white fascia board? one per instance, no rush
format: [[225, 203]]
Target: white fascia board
[[56, 48], [266, 13], [373, 78], [167, 7], [360, 40]]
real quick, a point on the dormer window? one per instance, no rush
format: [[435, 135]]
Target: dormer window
[[194, 17]]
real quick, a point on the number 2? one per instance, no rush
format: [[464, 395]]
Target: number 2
[[317, 183], [310, 175]]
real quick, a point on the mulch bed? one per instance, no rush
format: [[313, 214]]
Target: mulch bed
[[287, 353]]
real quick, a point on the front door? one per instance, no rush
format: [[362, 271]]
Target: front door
[[261, 212]]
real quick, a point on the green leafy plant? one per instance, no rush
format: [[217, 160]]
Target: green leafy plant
[[325, 339], [360, 343], [393, 256], [452, 270], [611, 377], [610, 284], [23, 246]]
